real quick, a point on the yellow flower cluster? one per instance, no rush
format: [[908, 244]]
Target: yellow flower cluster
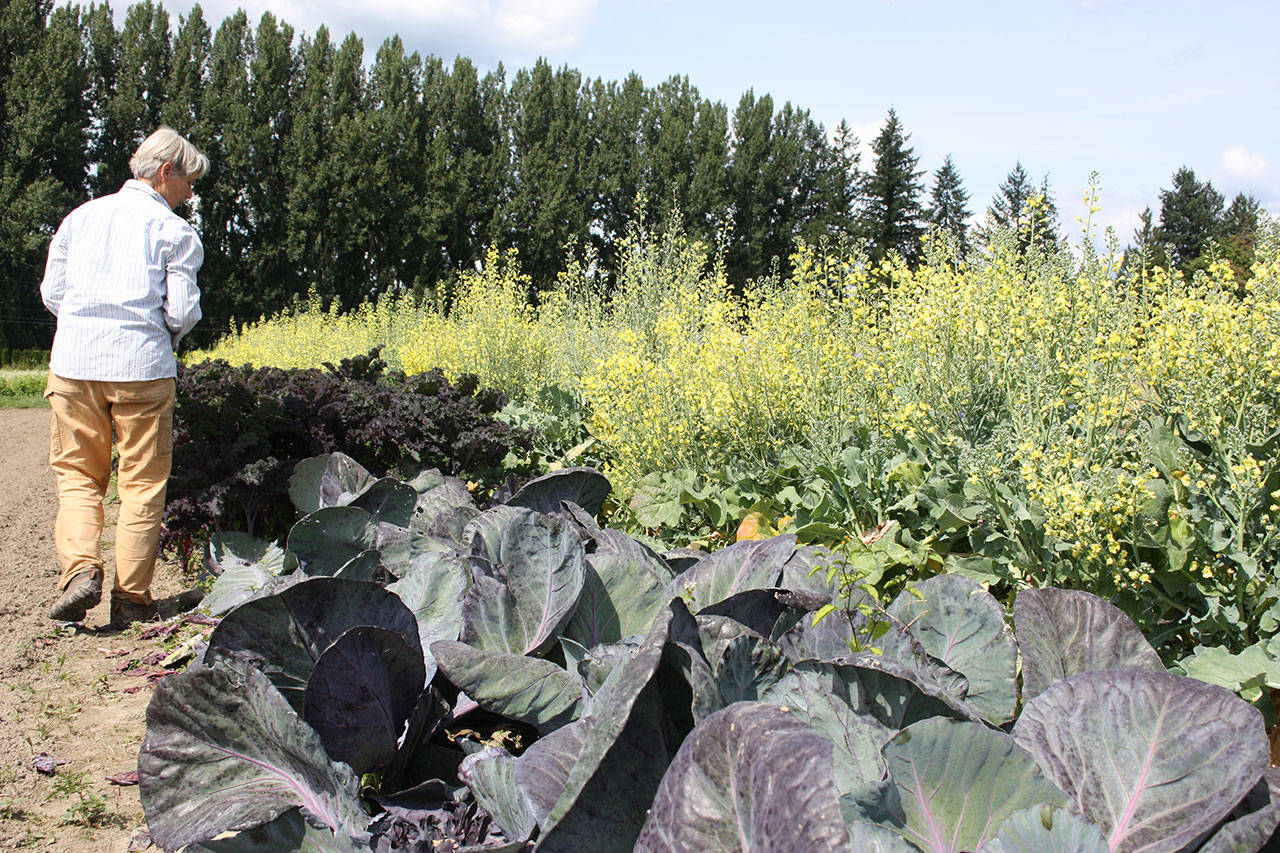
[[1048, 358]]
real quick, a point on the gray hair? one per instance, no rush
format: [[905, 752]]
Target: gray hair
[[167, 146]]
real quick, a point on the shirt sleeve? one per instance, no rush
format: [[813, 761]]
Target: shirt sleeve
[[54, 285], [182, 300]]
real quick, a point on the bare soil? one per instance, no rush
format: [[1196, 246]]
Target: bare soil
[[76, 694]]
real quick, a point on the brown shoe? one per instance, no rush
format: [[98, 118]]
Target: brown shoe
[[125, 612], [84, 592]]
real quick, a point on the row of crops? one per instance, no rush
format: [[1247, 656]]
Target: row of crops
[[979, 555], [410, 671]]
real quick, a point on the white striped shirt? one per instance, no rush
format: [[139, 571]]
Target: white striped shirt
[[121, 279]]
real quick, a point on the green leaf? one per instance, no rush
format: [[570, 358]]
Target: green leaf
[[530, 690], [962, 625], [959, 781]]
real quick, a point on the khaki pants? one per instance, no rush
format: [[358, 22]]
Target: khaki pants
[[84, 413]]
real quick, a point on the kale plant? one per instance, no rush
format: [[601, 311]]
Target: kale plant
[[238, 432]]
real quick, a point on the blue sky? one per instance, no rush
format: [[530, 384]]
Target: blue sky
[[1130, 88]]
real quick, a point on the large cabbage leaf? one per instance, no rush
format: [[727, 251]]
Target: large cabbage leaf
[[244, 565], [741, 566], [958, 781], [1045, 828], [1062, 632], [749, 777], [285, 634], [832, 707], [360, 694], [528, 573], [1153, 759], [329, 538], [962, 625], [623, 589], [432, 589], [224, 752], [531, 690], [585, 487], [625, 750]]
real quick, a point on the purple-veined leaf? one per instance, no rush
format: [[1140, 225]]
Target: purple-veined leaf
[[962, 625], [1062, 632], [624, 752], [327, 539], [958, 781], [741, 566], [224, 752], [585, 487], [816, 696], [330, 479], [285, 634], [290, 832], [1153, 759], [1045, 828], [531, 690], [360, 694], [622, 592], [749, 777], [528, 573]]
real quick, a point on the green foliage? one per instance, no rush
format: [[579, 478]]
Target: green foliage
[[1190, 214], [1019, 208], [947, 211], [891, 219]]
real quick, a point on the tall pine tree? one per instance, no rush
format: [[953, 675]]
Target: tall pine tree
[[1021, 208], [1239, 234], [1190, 218], [947, 211], [892, 214]]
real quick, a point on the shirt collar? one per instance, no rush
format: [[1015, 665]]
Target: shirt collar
[[143, 186]]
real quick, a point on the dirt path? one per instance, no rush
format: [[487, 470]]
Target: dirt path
[[78, 696]]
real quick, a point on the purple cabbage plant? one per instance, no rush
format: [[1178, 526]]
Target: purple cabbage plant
[[411, 672]]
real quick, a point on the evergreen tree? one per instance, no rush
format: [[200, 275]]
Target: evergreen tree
[[947, 211], [403, 198], [1020, 207], [1010, 199], [188, 73], [1190, 218], [469, 114], [1145, 252], [892, 213], [548, 203], [1239, 234], [133, 92], [839, 185], [617, 169], [43, 167], [1044, 217]]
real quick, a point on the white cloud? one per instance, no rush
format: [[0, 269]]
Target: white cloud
[[1239, 162], [514, 31], [541, 25]]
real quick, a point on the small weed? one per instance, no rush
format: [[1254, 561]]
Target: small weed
[[10, 810], [86, 808]]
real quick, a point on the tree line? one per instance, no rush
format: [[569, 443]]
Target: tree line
[[355, 180]]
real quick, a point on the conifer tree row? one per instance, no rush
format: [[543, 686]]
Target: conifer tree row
[[358, 180], [355, 180]]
